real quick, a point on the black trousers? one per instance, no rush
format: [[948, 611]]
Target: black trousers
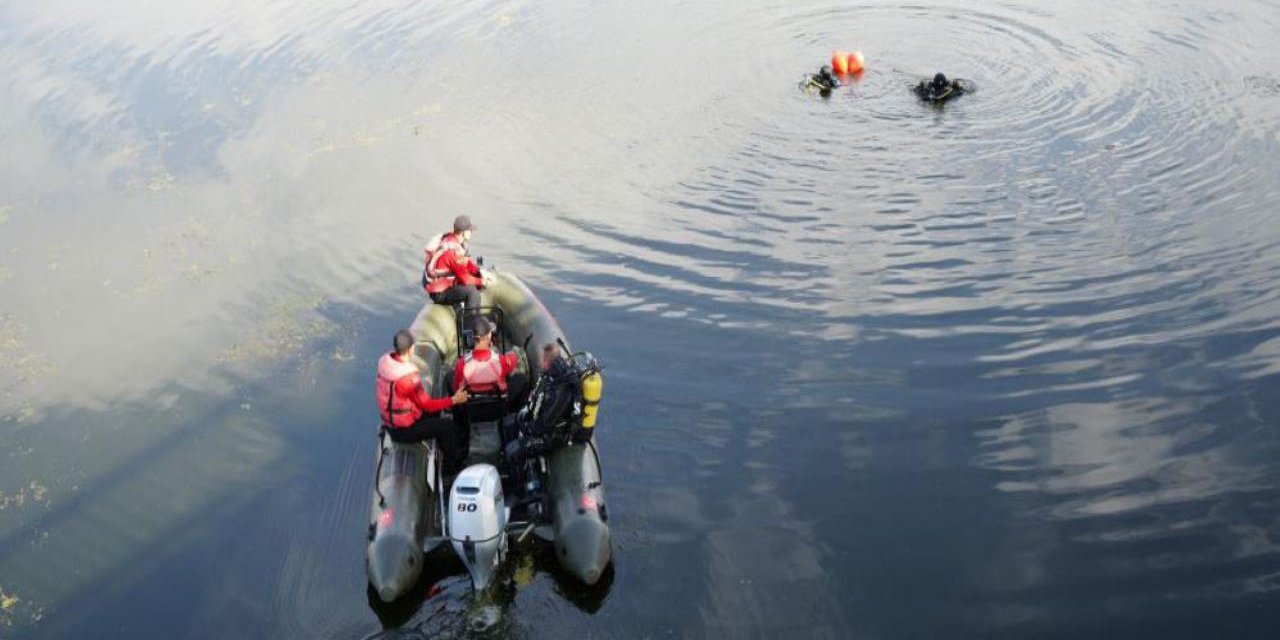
[[517, 387], [465, 293], [442, 429]]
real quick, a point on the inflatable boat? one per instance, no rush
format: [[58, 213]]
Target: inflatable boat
[[533, 466]]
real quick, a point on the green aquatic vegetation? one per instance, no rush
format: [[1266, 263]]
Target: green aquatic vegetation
[[190, 243], [23, 366], [161, 181], [150, 179], [286, 330], [326, 140], [10, 335], [136, 510], [26, 413], [8, 606], [432, 109], [1263, 85], [15, 358], [32, 494], [525, 570]]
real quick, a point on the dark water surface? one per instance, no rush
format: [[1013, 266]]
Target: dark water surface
[[1006, 369]]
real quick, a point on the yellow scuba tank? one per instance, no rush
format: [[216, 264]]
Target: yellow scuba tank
[[592, 386]]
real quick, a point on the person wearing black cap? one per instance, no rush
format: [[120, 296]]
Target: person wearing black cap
[[450, 277], [409, 413], [484, 370]]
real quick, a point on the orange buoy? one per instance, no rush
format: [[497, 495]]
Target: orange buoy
[[839, 61], [854, 62]]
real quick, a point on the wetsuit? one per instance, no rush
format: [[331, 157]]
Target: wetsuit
[[940, 89], [823, 81]]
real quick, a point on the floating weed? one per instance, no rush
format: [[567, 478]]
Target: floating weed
[[429, 109], [15, 610], [24, 367], [287, 329], [34, 493], [1263, 85]]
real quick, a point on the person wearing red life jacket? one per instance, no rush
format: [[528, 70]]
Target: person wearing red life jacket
[[408, 412], [484, 370], [449, 276]]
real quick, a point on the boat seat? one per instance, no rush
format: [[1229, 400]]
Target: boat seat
[[466, 333], [486, 407]]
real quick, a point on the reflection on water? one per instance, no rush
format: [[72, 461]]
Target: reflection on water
[[875, 369]]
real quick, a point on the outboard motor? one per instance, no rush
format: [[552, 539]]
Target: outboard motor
[[478, 522]]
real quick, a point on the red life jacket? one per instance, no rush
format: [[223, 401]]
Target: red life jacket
[[482, 376], [434, 278], [396, 411]]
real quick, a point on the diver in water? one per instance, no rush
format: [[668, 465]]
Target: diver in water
[[823, 81], [940, 89]]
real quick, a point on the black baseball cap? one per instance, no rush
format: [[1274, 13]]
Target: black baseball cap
[[462, 223], [403, 340], [482, 326]]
